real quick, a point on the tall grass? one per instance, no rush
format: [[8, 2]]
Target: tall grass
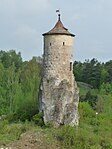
[[12, 132]]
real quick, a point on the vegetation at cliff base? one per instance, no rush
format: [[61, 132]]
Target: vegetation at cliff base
[[19, 86]]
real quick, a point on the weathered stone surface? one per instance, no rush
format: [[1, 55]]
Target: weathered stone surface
[[59, 103]]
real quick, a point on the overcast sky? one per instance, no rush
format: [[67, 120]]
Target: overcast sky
[[22, 23]]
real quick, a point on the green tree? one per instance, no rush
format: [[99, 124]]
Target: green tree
[[91, 73], [78, 70], [108, 66]]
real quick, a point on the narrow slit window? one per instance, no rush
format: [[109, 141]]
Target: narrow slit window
[[63, 43], [70, 66], [50, 43]]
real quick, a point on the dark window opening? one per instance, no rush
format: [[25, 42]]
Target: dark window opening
[[63, 43], [70, 66], [50, 43]]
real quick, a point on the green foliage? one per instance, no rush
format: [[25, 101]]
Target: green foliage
[[84, 88], [19, 86], [77, 138], [86, 111], [90, 98], [108, 67], [12, 132], [93, 72], [38, 119], [78, 70], [11, 58], [106, 88]]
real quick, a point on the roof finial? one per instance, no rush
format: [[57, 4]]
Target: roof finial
[[58, 11], [59, 17]]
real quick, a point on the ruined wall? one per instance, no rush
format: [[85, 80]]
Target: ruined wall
[[59, 89]]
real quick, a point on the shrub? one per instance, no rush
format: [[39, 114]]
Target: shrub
[[10, 132], [38, 119], [77, 138]]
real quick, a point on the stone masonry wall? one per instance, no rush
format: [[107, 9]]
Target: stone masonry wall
[[58, 55]]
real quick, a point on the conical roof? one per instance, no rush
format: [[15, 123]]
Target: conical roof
[[59, 29]]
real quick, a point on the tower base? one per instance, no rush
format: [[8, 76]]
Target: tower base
[[59, 102]]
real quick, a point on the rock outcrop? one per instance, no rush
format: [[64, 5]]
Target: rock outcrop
[[61, 105]]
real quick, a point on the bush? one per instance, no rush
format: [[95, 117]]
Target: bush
[[38, 119], [10, 132], [76, 138], [86, 112], [90, 98]]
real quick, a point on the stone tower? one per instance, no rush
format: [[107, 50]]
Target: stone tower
[[59, 95]]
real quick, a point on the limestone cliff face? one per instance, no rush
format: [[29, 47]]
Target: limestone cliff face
[[59, 95], [59, 102]]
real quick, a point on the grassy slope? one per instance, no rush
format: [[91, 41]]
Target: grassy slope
[[26, 136]]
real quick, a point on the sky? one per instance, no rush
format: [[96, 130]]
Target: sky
[[22, 23]]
